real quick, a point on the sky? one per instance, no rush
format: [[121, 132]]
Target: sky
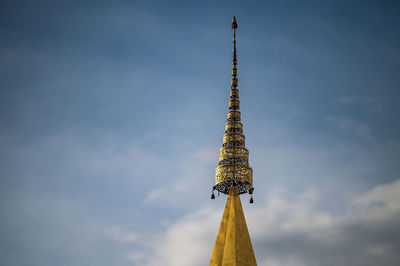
[[112, 114]]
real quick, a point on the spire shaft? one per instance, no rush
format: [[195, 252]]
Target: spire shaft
[[234, 60]]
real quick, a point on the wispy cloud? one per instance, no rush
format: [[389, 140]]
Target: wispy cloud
[[350, 126], [364, 103], [118, 234], [157, 194], [191, 171]]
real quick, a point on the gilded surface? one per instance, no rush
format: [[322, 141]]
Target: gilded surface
[[233, 125], [234, 103], [228, 172], [233, 245], [234, 82], [234, 114], [233, 137], [233, 167], [233, 152], [234, 91]]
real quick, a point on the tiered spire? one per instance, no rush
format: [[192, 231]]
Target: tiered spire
[[233, 176], [233, 168]]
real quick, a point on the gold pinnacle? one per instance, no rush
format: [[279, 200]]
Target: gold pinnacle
[[233, 245]]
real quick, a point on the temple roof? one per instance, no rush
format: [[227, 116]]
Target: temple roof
[[233, 245]]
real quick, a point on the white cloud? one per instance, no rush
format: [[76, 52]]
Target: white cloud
[[295, 231], [380, 203], [188, 241], [388, 194], [118, 234], [137, 256]]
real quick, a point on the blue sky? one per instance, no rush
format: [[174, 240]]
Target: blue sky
[[112, 114]]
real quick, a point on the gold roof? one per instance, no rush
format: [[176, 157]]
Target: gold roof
[[233, 245]]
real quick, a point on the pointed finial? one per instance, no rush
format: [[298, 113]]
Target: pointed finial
[[234, 23]]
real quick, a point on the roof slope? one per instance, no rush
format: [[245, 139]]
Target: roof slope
[[233, 245]]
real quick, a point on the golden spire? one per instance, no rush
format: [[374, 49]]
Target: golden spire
[[233, 168], [233, 245], [233, 176]]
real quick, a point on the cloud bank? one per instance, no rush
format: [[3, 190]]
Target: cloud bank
[[293, 231]]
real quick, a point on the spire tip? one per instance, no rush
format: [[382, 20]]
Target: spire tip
[[234, 23]]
